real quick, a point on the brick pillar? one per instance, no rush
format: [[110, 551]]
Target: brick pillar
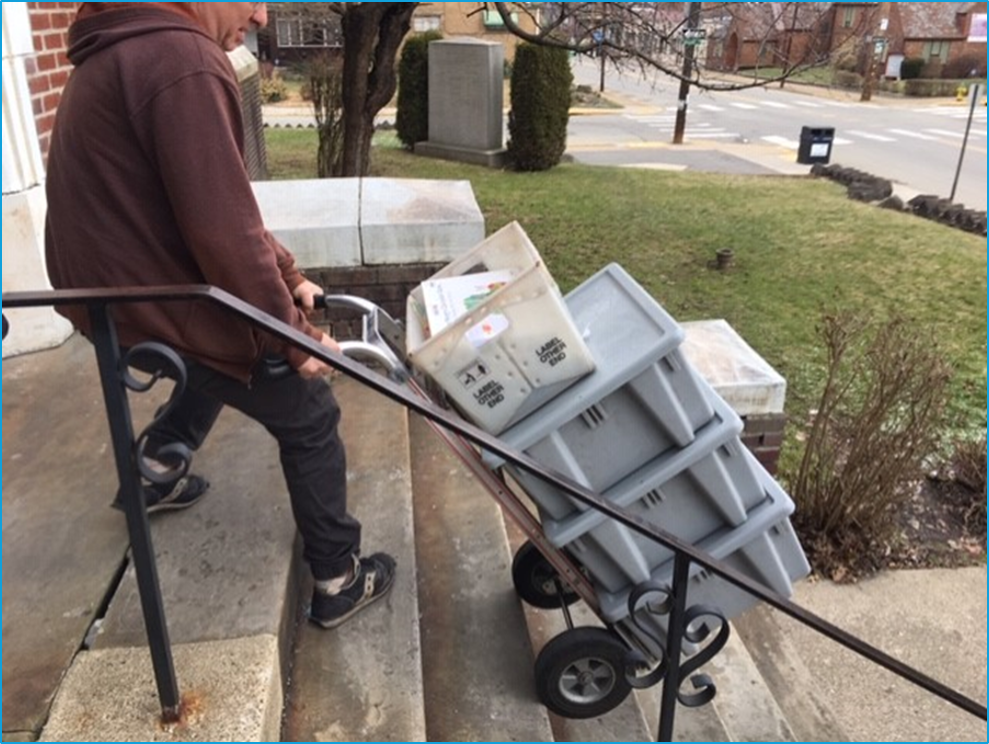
[[48, 69]]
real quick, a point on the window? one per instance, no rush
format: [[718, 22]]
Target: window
[[848, 18], [297, 32], [421, 24], [935, 50], [493, 20]]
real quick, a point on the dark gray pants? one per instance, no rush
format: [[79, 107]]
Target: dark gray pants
[[303, 416]]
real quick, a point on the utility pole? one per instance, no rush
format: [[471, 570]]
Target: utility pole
[[875, 51], [689, 40]]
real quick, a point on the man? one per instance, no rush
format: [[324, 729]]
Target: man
[[147, 186]]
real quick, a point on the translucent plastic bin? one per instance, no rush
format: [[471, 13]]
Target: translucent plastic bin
[[643, 398], [764, 548], [514, 351]]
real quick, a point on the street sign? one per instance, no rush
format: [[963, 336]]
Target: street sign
[[694, 33]]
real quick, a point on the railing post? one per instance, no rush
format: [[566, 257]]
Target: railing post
[[674, 647], [104, 338]]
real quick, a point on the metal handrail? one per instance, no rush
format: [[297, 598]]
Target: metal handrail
[[103, 298]]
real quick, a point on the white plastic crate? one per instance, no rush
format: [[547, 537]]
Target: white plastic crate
[[514, 351], [643, 398]]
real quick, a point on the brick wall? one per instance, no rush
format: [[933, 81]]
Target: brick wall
[[386, 286], [49, 68]]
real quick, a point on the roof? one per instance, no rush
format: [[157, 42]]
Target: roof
[[932, 20]]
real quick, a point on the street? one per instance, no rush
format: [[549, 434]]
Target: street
[[914, 142]]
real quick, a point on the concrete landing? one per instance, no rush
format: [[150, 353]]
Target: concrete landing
[[227, 569]]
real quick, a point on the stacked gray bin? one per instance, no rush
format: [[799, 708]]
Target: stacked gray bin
[[648, 433]]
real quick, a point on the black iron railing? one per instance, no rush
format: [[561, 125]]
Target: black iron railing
[[127, 451]]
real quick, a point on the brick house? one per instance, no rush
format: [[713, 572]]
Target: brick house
[[749, 35], [939, 34]]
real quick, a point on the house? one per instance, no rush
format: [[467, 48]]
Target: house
[[939, 34], [749, 35], [851, 36], [295, 31]]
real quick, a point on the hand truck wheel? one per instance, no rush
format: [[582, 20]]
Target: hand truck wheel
[[581, 673], [537, 582]]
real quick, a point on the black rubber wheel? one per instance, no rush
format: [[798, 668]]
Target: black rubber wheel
[[537, 582], [581, 673]]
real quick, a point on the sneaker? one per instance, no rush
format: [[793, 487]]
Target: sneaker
[[373, 577], [180, 494]]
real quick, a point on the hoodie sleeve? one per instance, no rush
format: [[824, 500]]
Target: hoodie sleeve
[[195, 129]]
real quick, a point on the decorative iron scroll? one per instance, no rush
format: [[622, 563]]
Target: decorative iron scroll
[[158, 362], [653, 598]]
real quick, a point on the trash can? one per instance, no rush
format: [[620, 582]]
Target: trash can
[[815, 145]]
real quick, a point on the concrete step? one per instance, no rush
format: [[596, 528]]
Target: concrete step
[[479, 639], [227, 573], [477, 661], [363, 681]]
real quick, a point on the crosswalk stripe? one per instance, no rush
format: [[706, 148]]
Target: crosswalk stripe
[[746, 106], [871, 136], [945, 133], [915, 135], [808, 104], [776, 139], [710, 107], [776, 104]]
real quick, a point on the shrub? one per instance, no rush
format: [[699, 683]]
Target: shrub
[[273, 89], [540, 107], [911, 68], [412, 115], [880, 418], [931, 88], [965, 66], [969, 465], [324, 79], [846, 79]]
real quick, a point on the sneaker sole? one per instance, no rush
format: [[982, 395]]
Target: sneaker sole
[[338, 621]]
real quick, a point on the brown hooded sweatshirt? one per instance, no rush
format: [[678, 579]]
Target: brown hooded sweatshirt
[[147, 187]]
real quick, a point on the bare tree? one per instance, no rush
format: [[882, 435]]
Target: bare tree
[[649, 36], [660, 36]]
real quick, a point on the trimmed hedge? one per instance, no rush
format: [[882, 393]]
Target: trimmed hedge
[[911, 68], [412, 114], [540, 98]]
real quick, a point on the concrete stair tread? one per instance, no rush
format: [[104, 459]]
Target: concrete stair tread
[[363, 680], [477, 661]]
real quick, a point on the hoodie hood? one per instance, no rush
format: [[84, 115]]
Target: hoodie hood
[[101, 25]]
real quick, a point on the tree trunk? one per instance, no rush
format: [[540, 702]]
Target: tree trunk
[[372, 33]]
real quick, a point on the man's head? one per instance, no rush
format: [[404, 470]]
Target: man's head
[[228, 23]]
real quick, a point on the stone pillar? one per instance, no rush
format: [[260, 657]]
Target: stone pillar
[[466, 102], [23, 195], [754, 390]]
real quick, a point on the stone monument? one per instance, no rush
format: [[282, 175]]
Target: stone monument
[[466, 98]]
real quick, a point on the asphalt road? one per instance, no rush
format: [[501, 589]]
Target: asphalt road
[[914, 142]]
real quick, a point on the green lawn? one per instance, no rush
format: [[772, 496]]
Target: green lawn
[[800, 245]]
